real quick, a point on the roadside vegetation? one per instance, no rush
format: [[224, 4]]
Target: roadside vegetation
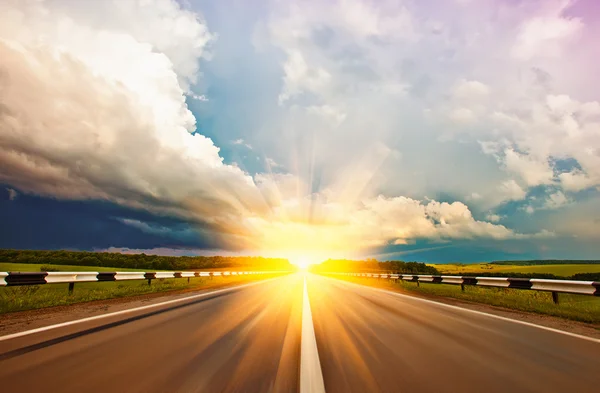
[[560, 270], [36, 267], [575, 307], [20, 298], [550, 269], [140, 261], [549, 262], [373, 266]]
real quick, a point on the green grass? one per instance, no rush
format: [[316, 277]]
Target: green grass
[[30, 297], [27, 267], [576, 307], [558, 270]]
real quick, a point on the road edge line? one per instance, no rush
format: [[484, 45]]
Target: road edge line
[[311, 374], [595, 340], [127, 311]]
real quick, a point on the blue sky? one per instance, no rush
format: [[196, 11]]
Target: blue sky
[[465, 131]]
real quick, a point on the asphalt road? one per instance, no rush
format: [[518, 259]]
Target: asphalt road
[[249, 340]]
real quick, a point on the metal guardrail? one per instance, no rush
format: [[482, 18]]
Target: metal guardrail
[[38, 278], [536, 284]]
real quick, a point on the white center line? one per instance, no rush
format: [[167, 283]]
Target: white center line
[[311, 376]]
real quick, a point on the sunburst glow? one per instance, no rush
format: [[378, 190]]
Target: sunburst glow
[[303, 263]]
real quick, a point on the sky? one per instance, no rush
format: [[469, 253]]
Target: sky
[[416, 130]]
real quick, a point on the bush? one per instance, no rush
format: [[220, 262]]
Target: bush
[[46, 268], [586, 276]]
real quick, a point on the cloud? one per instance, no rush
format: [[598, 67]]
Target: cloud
[[463, 116], [371, 223], [511, 191], [485, 96], [556, 200], [240, 141], [544, 132], [300, 77], [493, 217], [553, 201], [370, 106], [161, 230], [546, 34], [474, 196], [271, 163], [163, 251], [575, 181], [331, 114], [98, 111], [12, 194], [199, 97], [470, 90], [533, 172]]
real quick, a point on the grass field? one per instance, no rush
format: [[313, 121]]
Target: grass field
[[26, 267], [558, 270], [576, 307]]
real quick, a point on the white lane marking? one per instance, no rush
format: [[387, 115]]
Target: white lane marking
[[311, 376], [595, 340], [130, 310]]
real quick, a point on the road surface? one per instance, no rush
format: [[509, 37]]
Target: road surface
[[252, 339]]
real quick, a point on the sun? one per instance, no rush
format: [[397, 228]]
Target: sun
[[303, 263]]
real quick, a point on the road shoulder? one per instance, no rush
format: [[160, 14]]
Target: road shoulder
[[32, 319], [570, 326]]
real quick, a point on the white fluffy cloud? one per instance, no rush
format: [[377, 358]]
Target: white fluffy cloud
[[556, 200], [511, 191], [576, 181], [532, 172], [319, 223], [493, 217], [97, 110]]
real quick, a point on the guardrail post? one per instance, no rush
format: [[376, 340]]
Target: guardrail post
[[555, 297], [188, 280], [149, 281], [71, 287], [418, 283], [462, 287]]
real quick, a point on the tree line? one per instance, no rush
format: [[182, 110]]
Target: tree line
[[373, 265], [548, 262], [140, 261]]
